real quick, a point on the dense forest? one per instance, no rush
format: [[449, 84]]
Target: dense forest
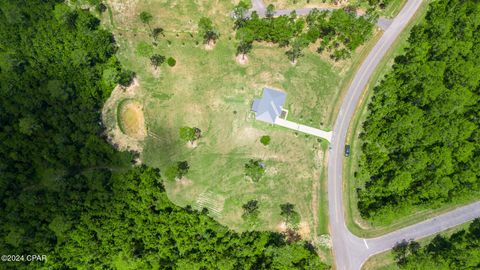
[[65, 192], [421, 138], [459, 251]]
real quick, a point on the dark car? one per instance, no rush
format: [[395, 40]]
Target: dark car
[[347, 150]]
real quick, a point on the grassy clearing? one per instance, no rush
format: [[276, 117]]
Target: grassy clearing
[[208, 89], [355, 223], [393, 8], [386, 260]]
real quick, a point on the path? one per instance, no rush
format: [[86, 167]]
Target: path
[[305, 129], [350, 251]]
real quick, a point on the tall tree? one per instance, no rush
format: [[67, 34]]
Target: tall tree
[[208, 32], [421, 138]]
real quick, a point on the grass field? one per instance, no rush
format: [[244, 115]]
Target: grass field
[[386, 260], [355, 222], [208, 89]]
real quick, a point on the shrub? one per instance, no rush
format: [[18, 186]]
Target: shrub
[[265, 140], [171, 61], [255, 169]]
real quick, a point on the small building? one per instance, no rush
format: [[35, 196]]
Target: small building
[[270, 106]]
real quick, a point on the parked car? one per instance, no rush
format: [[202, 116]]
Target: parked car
[[347, 150]]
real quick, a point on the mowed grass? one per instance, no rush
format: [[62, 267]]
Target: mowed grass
[[208, 89]]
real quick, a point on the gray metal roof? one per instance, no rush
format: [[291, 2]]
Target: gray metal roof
[[269, 107]]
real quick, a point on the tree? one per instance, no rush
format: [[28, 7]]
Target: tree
[[295, 51], [250, 212], [157, 31], [177, 170], [250, 207], [146, 18], [265, 140], [65, 191], [254, 169], [190, 134], [240, 12], [287, 211], [156, 60], [411, 160], [171, 61], [207, 30], [270, 12], [245, 37]]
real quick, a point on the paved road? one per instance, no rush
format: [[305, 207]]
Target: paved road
[[350, 251]]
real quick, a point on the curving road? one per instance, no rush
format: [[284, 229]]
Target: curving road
[[350, 251]]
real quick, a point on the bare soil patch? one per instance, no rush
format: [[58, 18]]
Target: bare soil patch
[[132, 120], [242, 59], [131, 111]]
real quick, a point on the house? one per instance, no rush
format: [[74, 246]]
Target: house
[[270, 106]]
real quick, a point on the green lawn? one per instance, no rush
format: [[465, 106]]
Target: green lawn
[[355, 222], [208, 89]]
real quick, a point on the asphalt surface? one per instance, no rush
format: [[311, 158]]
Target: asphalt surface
[[350, 251]]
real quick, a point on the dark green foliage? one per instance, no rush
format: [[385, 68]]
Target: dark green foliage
[[240, 13], [56, 69], [190, 134], [136, 223], [251, 212], [157, 31], [65, 192], [156, 60], [145, 17], [177, 170], [254, 169], [459, 251], [333, 28], [101, 7], [421, 140], [270, 11], [265, 140], [171, 61], [207, 30], [250, 207], [288, 212]]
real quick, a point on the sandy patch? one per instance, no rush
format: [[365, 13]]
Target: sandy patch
[[132, 120], [192, 145], [210, 45], [304, 230], [116, 137], [282, 227], [184, 181], [361, 11], [242, 59]]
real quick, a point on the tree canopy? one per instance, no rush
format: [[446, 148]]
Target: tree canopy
[[65, 192], [421, 139], [460, 251], [341, 32]]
